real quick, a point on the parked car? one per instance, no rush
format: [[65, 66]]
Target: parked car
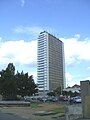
[[27, 98], [76, 99]]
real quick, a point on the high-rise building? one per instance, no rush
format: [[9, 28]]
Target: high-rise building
[[50, 59]]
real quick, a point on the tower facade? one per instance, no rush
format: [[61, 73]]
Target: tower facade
[[50, 62]]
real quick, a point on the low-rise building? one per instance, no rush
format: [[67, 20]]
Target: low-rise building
[[75, 88]]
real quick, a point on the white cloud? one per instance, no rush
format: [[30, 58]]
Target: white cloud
[[88, 68], [0, 38], [76, 50], [86, 78], [69, 79], [28, 30], [33, 30], [77, 36], [72, 80], [18, 52], [22, 2]]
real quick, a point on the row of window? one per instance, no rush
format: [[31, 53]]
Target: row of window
[[40, 62], [42, 72], [42, 42], [44, 55], [40, 79]]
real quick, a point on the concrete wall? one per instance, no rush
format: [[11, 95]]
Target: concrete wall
[[85, 94], [87, 107]]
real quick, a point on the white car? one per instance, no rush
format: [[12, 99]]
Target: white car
[[77, 100]]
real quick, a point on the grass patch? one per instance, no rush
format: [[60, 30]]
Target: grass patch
[[34, 105], [59, 110], [46, 109]]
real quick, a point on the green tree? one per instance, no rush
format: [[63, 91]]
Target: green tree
[[8, 83], [70, 93], [11, 68], [25, 84], [57, 91], [51, 94], [12, 85], [65, 93]]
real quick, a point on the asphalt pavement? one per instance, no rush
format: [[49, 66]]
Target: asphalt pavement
[[9, 116]]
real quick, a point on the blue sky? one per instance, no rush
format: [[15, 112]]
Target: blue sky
[[21, 21]]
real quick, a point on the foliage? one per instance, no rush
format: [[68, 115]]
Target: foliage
[[25, 84], [51, 93], [34, 105], [70, 93], [12, 85], [8, 83], [56, 92]]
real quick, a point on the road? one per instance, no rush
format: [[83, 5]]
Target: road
[[8, 116]]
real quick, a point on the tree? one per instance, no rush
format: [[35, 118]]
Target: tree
[[25, 84], [70, 93], [65, 93], [58, 91], [11, 68], [51, 94], [8, 83], [12, 85], [33, 86]]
